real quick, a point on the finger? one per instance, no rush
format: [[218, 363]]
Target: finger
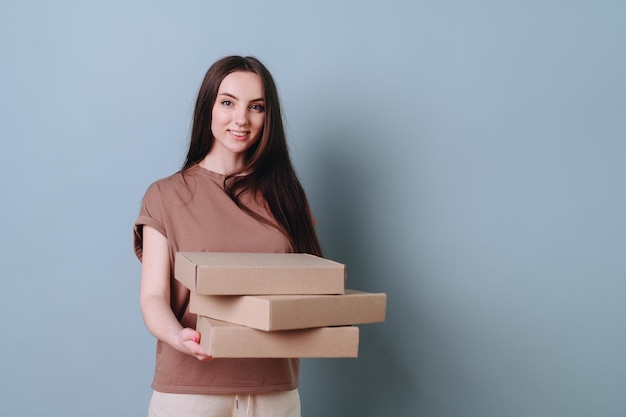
[[188, 335], [195, 348]]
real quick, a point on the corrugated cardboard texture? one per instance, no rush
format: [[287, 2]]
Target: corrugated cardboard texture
[[285, 312], [259, 273], [225, 340]]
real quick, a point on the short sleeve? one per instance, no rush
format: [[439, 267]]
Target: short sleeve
[[151, 214]]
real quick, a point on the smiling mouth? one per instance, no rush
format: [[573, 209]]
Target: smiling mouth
[[239, 133]]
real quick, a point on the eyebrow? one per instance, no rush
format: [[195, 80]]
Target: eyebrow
[[237, 98]]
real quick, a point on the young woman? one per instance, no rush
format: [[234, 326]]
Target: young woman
[[237, 192]]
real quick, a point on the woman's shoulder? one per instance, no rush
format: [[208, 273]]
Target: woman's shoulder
[[166, 186], [180, 183], [164, 182], [171, 180]]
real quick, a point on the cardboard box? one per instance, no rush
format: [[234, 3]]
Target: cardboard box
[[285, 312], [259, 273], [227, 340]]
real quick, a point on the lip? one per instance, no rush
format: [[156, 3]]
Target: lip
[[239, 134]]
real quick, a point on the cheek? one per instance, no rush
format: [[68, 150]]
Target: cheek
[[218, 121], [259, 122], [217, 117]]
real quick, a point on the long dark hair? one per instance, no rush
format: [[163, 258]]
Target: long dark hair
[[268, 169]]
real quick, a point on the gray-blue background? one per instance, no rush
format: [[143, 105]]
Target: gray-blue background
[[466, 158]]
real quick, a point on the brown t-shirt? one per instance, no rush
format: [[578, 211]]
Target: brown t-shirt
[[195, 214]]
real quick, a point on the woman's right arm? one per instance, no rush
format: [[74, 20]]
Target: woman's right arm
[[154, 297]]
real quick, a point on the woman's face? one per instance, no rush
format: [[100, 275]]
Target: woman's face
[[238, 114]]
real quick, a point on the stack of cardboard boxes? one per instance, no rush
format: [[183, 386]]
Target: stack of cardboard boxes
[[275, 305]]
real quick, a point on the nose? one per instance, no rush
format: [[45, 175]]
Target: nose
[[241, 117]]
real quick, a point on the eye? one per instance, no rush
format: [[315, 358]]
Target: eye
[[227, 103], [258, 107]]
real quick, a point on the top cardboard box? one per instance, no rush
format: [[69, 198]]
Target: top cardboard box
[[223, 273]]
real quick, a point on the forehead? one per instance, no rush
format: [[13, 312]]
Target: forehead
[[243, 85]]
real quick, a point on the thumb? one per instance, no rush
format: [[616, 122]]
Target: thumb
[[188, 334]]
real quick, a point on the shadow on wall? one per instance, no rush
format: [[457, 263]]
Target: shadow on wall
[[355, 229]]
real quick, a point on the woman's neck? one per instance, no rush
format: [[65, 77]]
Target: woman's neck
[[225, 166]]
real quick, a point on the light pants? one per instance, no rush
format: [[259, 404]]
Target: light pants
[[278, 404]]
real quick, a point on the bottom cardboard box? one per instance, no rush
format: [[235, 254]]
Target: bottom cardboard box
[[226, 340]]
